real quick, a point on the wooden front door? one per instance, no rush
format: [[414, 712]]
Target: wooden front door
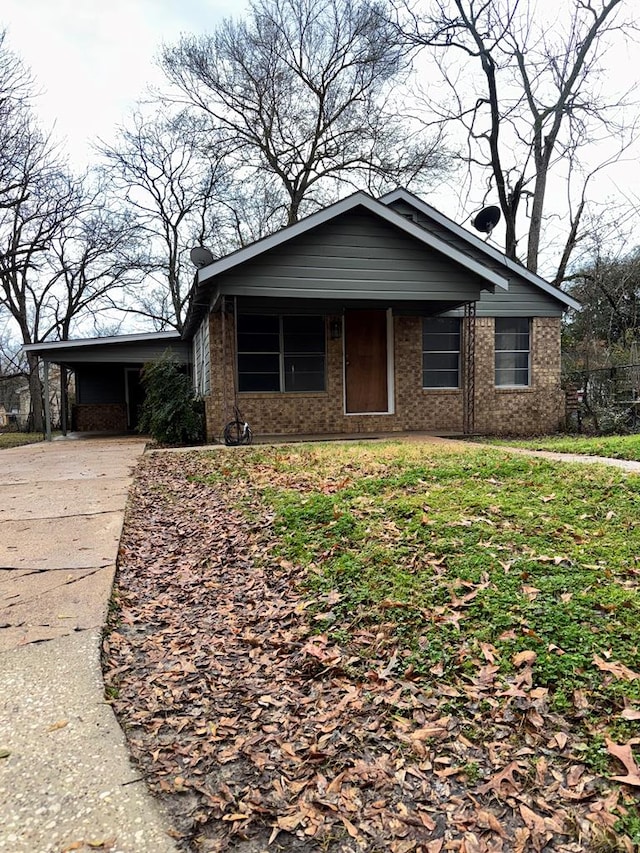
[[366, 361]]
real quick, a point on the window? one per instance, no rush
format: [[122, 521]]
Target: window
[[201, 359], [441, 352], [512, 351], [281, 353]]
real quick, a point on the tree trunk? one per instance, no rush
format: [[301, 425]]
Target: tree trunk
[[35, 390]]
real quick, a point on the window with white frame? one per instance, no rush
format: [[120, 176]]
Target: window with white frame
[[441, 352], [202, 360], [513, 351], [281, 352]]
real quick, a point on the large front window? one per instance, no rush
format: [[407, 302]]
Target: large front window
[[281, 353], [512, 351], [441, 352]]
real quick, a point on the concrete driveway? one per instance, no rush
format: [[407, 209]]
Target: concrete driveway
[[66, 782]]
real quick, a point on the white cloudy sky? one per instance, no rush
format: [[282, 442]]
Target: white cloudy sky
[[93, 58]]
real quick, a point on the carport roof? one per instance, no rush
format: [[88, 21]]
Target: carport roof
[[137, 348]]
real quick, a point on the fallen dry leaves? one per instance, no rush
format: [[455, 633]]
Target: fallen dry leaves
[[259, 734]]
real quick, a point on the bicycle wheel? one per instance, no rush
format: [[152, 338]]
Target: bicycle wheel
[[237, 432]]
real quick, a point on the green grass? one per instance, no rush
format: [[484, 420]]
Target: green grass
[[15, 439], [453, 558], [612, 446]]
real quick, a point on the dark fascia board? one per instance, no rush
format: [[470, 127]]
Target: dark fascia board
[[358, 199], [143, 338], [431, 212]]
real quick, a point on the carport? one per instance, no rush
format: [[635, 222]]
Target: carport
[[107, 377]]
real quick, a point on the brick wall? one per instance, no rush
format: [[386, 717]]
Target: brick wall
[[534, 410], [99, 417], [537, 409]]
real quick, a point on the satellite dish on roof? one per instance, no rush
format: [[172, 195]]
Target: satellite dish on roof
[[487, 219], [200, 257]]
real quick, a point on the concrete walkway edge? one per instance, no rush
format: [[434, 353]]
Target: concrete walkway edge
[[66, 779]]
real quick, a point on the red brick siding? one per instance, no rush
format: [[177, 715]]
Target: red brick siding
[[99, 417], [532, 410]]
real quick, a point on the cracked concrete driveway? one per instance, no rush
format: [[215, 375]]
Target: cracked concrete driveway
[[61, 512], [66, 782]]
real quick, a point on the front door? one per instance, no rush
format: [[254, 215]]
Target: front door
[[366, 362]]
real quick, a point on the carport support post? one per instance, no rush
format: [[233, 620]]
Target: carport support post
[[47, 402]]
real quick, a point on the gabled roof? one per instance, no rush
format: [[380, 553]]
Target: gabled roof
[[478, 245], [205, 276]]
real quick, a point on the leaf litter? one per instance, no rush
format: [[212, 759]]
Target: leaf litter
[[259, 733]]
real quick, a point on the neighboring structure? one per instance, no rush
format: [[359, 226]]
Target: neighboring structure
[[369, 316], [14, 402]]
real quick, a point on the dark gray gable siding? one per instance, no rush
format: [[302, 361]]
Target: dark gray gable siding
[[355, 256], [522, 299]]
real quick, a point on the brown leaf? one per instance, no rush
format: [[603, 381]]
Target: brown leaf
[[54, 727], [532, 820], [630, 714], [625, 756], [487, 820], [504, 776], [527, 656], [290, 822], [353, 832], [618, 670]]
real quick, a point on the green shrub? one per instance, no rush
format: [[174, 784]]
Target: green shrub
[[171, 413]]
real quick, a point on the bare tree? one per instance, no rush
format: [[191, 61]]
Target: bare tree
[[302, 92], [171, 193], [533, 101], [16, 92], [57, 240]]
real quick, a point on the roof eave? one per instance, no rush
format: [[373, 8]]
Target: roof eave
[[404, 195]]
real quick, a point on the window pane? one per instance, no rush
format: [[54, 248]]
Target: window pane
[[258, 381], [304, 373], [441, 352], [512, 376], [440, 361], [446, 343], [303, 334], [512, 333], [258, 323], [259, 342], [300, 381], [512, 341], [512, 360], [258, 363], [440, 379]]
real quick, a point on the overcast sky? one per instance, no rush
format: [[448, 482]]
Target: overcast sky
[[93, 58]]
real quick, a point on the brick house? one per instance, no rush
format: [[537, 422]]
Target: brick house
[[369, 316], [377, 316]]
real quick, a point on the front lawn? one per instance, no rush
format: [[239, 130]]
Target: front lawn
[[382, 646], [15, 439], [611, 446]]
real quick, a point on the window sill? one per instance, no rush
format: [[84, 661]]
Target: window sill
[[509, 389], [441, 390]]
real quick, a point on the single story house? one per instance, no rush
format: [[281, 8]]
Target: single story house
[[369, 316]]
